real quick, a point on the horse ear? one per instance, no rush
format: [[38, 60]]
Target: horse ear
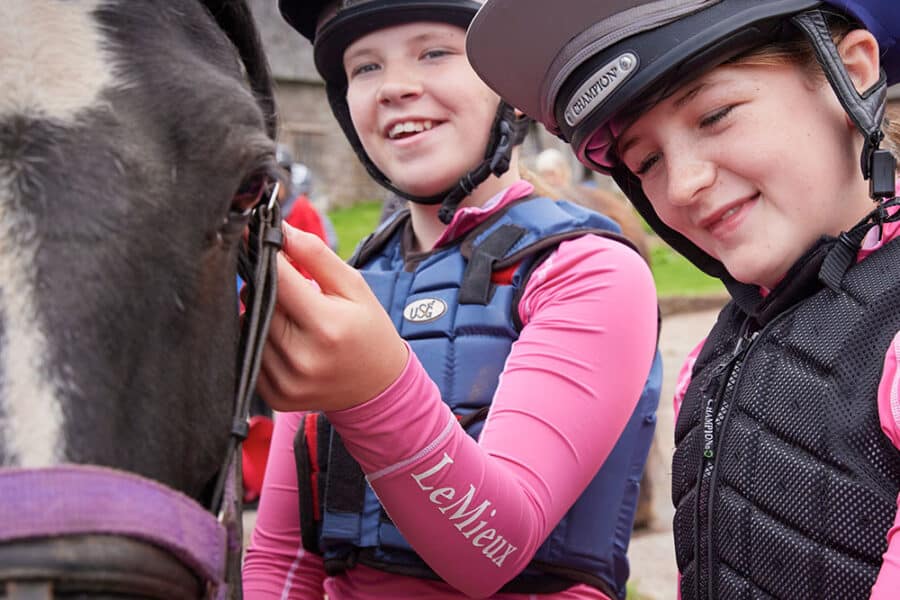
[[236, 19]]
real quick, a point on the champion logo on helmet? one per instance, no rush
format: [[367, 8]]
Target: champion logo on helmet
[[600, 85], [424, 310]]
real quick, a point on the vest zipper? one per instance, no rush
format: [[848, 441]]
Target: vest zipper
[[716, 410]]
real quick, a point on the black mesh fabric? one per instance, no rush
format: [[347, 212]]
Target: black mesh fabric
[[804, 485]]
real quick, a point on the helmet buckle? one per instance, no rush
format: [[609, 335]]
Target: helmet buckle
[[500, 159], [882, 168]]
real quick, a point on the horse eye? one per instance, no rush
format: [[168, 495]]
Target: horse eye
[[250, 192]]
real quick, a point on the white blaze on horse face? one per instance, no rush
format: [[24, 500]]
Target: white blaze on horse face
[[31, 417], [52, 60], [53, 65]]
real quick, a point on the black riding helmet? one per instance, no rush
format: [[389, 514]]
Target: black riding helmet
[[580, 71], [332, 25]]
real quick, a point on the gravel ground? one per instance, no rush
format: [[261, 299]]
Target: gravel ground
[[652, 556]]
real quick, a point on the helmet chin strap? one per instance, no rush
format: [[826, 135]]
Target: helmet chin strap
[[507, 131], [496, 164], [866, 111]]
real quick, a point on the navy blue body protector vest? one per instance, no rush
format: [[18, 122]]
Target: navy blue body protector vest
[[783, 482], [461, 326]]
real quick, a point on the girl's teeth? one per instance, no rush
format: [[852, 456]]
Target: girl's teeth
[[409, 127], [730, 212]]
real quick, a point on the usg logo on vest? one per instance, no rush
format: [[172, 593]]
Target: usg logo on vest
[[600, 85], [424, 310]]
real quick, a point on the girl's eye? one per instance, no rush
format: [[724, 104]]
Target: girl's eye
[[436, 53], [363, 68], [646, 164], [715, 117]]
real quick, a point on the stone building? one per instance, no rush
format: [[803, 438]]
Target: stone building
[[307, 126]]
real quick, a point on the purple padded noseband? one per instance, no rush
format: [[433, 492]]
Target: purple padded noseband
[[76, 499]]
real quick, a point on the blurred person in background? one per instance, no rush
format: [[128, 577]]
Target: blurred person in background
[[553, 168], [296, 206]]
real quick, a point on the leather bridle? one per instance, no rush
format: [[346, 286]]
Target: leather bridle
[[257, 267]]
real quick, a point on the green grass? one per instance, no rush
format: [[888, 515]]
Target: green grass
[[677, 276], [674, 274], [354, 223]]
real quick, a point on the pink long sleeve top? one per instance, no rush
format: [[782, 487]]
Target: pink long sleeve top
[[569, 386], [887, 586]]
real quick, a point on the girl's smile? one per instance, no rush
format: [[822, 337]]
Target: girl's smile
[[752, 163], [422, 114]]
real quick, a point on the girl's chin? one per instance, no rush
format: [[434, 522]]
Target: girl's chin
[[425, 191], [763, 279]]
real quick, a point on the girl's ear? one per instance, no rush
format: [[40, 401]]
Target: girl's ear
[[859, 51]]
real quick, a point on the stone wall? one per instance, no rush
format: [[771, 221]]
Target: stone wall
[[307, 126]]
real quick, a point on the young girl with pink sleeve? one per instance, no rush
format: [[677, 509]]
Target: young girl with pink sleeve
[[467, 412]]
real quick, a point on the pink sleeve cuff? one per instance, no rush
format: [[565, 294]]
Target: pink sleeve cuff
[[889, 413], [889, 393], [684, 376]]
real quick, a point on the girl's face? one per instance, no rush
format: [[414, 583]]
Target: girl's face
[[422, 114], [752, 164]]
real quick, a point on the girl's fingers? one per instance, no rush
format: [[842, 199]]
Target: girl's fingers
[[281, 370], [298, 298], [283, 337], [308, 251]]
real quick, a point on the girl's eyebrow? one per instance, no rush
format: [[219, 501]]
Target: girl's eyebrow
[[680, 101], [356, 52], [425, 37], [691, 93]]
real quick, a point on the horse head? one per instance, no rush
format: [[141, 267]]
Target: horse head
[[134, 136]]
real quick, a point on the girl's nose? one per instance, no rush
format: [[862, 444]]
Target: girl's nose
[[687, 177], [399, 85]]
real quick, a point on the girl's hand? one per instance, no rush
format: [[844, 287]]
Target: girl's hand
[[330, 346]]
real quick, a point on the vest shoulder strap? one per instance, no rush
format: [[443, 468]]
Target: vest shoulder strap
[[375, 241]]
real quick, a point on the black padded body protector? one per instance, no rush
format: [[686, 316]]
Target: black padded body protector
[[783, 482]]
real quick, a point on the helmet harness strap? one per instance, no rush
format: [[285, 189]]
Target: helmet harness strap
[[866, 110], [506, 132]]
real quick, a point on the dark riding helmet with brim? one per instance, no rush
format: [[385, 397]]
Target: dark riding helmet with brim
[[584, 67], [332, 25]]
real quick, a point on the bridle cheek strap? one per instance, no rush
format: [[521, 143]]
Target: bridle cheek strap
[[264, 243]]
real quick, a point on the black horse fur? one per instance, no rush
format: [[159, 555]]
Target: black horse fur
[[119, 239]]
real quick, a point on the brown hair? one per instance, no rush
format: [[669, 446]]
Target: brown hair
[[606, 203], [800, 52], [796, 50], [891, 127]]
